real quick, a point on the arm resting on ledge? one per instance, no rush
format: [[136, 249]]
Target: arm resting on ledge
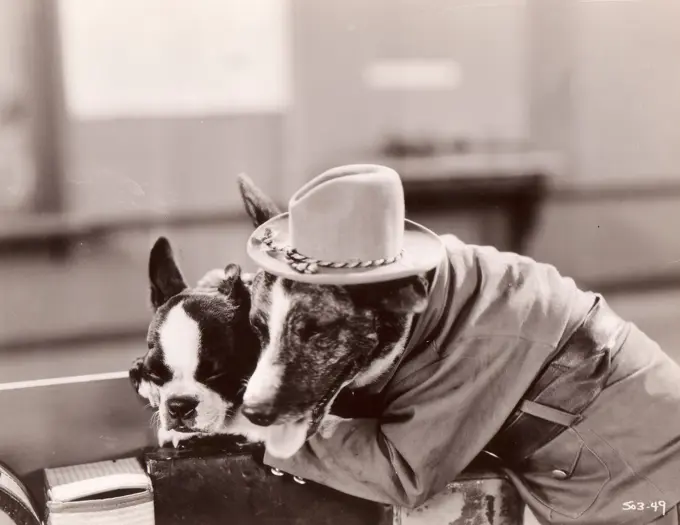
[[437, 420]]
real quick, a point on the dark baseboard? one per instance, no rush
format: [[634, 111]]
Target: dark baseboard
[[650, 189]]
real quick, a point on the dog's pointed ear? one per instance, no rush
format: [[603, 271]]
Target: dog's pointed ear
[[232, 276], [260, 207], [165, 279], [405, 296], [235, 289]]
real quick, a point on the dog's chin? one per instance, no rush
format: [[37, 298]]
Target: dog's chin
[[175, 436], [168, 437], [284, 440]]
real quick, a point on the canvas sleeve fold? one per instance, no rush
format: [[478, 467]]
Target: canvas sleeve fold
[[359, 459]]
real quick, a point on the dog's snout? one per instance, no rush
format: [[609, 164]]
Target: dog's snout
[[182, 407], [261, 415]]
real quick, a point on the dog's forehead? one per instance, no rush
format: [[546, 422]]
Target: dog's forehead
[[179, 341], [209, 308], [160, 317], [316, 300], [204, 308], [313, 294], [189, 328]]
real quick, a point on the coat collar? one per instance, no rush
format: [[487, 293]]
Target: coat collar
[[428, 325]]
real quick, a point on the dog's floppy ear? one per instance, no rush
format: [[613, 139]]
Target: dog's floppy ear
[[165, 279], [259, 206], [405, 296]]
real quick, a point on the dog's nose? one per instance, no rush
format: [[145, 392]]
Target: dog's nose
[[182, 407], [263, 415]]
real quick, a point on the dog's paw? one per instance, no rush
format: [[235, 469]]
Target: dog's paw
[[328, 425], [211, 281]]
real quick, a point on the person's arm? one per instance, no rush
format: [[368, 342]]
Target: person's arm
[[440, 419]]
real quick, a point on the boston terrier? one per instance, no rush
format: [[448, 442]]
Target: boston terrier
[[201, 351]]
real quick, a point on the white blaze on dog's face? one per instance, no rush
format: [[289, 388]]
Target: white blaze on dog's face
[[201, 351], [266, 380], [288, 434]]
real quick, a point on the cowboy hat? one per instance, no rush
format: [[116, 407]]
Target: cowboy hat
[[346, 226]]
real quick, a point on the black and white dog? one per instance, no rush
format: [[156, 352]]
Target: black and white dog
[[201, 351]]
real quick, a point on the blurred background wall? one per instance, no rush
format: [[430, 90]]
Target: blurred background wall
[[120, 121], [112, 112]]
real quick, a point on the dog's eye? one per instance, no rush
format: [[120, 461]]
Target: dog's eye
[[217, 376], [150, 376], [308, 330]]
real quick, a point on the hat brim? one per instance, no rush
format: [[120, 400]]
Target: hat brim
[[423, 251]]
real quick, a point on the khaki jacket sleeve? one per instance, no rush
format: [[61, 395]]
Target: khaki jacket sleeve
[[439, 419]]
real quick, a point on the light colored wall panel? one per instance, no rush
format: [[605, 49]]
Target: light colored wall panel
[[117, 167], [627, 90], [339, 118]]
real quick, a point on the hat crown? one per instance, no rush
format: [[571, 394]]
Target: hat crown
[[353, 212]]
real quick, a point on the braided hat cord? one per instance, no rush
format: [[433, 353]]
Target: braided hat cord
[[303, 264]]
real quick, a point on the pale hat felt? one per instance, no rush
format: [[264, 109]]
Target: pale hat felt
[[346, 226]]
